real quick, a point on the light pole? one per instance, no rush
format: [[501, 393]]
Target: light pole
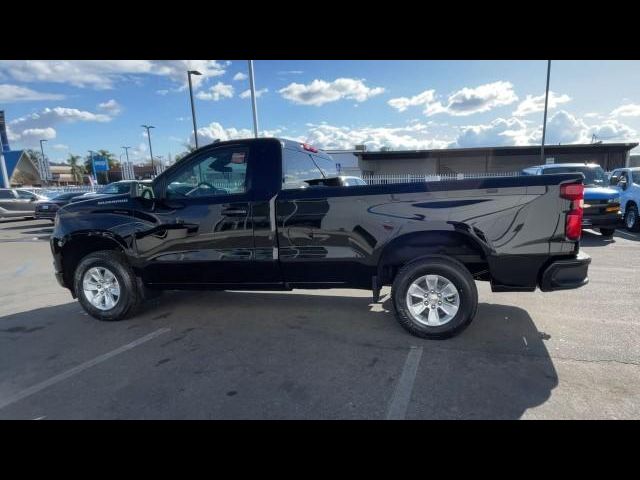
[[43, 167], [148, 127], [93, 165], [193, 109], [126, 151], [546, 103], [254, 106]]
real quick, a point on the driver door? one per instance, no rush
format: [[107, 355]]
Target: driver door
[[200, 232]]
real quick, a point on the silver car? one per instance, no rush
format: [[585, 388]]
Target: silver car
[[16, 203]]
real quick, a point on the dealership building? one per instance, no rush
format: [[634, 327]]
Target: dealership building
[[478, 160]]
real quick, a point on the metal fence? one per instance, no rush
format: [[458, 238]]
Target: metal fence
[[382, 179]]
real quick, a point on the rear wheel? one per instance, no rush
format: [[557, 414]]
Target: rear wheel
[[631, 219], [106, 286], [607, 232], [435, 297]]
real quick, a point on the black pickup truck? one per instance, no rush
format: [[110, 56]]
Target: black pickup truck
[[250, 214]]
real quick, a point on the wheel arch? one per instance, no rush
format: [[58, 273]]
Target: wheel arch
[[79, 245], [457, 244]]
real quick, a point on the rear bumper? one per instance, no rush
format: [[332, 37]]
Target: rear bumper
[[566, 273]]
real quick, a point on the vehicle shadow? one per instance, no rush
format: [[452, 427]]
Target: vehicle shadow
[[498, 368], [21, 227], [593, 239]]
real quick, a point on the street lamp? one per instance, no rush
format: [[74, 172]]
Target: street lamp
[[126, 150], [43, 169], [252, 86], [148, 127], [193, 109], [546, 101]]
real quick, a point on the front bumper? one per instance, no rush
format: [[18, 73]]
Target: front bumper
[[610, 220], [45, 214], [566, 273]]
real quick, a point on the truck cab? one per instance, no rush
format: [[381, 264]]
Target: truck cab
[[627, 182]]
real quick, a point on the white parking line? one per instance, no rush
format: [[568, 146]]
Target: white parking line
[[627, 234], [75, 370], [402, 394]]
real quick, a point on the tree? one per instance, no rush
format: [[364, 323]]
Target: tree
[[189, 148], [77, 169]]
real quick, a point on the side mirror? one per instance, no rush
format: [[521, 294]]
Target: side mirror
[[622, 183], [614, 180]]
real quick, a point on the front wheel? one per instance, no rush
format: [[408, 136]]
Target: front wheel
[[106, 286], [607, 232], [435, 297], [631, 219]]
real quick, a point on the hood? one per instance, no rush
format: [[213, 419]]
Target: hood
[[106, 202], [600, 193]]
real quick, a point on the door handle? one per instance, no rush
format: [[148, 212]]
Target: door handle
[[235, 212]]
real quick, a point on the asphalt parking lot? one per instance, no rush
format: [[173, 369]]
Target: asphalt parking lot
[[328, 354]]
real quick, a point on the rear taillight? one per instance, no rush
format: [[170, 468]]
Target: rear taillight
[[575, 193]]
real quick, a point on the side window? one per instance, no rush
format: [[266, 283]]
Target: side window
[[222, 172], [636, 176], [24, 195], [298, 167], [5, 194]]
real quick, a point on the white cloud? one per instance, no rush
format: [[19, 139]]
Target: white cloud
[[103, 74], [30, 128], [411, 137], [533, 104], [60, 146], [319, 92], [240, 76], [17, 93], [290, 72], [500, 132], [218, 91], [402, 103], [463, 102], [162, 92], [628, 110], [247, 93], [562, 128], [111, 107]]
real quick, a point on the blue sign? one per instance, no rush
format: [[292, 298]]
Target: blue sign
[[100, 164]]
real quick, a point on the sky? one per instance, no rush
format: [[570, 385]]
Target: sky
[[83, 105]]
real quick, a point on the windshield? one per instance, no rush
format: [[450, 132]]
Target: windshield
[[593, 176]]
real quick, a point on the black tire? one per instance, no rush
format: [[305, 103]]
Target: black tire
[[631, 215], [607, 232], [453, 271], [115, 262]]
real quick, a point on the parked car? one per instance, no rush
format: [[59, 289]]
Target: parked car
[[17, 203], [250, 221], [337, 181], [627, 182], [601, 202], [114, 188], [47, 209]]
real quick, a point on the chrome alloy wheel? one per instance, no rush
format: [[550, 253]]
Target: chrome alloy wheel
[[433, 300], [631, 218], [101, 288]]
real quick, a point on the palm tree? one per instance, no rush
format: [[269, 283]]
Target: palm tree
[[77, 169]]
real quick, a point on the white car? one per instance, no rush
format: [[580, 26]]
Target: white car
[[627, 181]]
